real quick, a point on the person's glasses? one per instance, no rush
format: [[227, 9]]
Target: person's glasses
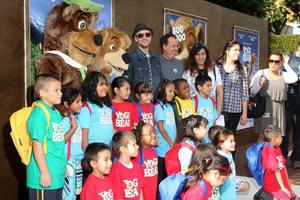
[[274, 61], [141, 35]]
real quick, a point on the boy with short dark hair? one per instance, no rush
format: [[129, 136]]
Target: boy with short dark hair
[[126, 175], [98, 185], [203, 103], [184, 106], [276, 181], [46, 168]]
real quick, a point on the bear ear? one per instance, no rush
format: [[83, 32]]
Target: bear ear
[[199, 33], [127, 40], [69, 11]]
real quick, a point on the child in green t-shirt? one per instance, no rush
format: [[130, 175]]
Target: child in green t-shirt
[[46, 169]]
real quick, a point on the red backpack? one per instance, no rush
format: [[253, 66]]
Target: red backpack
[[171, 159]]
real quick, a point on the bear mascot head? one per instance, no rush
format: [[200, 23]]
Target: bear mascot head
[[111, 58], [70, 44]]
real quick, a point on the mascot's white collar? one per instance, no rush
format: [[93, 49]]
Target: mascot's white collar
[[67, 59]]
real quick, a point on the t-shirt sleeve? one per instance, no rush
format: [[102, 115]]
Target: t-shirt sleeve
[[193, 193], [184, 156], [269, 160], [84, 117], [66, 124], [159, 114], [88, 191], [117, 181], [37, 124]]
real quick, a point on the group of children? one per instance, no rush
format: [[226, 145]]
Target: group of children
[[95, 127]]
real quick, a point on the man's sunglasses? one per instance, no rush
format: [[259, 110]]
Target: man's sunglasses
[[141, 35], [274, 61]]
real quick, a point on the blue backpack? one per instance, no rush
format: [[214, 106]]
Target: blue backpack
[[172, 187], [254, 159]]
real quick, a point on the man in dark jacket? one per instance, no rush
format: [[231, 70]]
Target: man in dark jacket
[[144, 65]]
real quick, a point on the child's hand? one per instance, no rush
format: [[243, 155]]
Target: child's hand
[[73, 122], [45, 180], [286, 191]]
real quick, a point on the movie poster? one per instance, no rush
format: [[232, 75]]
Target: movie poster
[[38, 12], [189, 29]]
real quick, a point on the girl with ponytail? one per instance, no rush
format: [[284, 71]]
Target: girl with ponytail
[[207, 170]]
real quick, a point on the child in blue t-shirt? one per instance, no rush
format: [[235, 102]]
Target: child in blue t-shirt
[[71, 101], [203, 103], [95, 117], [224, 141], [165, 126]]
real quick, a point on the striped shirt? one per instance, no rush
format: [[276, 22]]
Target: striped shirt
[[235, 86]]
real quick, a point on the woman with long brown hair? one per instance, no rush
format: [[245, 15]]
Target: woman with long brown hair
[[199, 61], [235, 85]]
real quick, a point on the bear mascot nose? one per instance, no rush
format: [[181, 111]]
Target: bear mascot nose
[[126, 58], [98, 40]]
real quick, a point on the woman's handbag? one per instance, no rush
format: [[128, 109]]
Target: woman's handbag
[[256, 106]]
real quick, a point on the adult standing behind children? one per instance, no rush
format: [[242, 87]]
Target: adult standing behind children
[[293, 108], [199, 61], [171, 68], [271, 83], [47, 165], [235, 84], [144, 65]]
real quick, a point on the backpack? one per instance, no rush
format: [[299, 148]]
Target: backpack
[[254, 160], [172, 187], [171, 158], [197, 102], [19, 132]]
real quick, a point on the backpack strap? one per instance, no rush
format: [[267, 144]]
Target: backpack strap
[[139, 107], [161, 105], [187, 145], [213, 101], [142, 158], [178, 105], [214, 71], [44, 109], [87, 105], [196, 102], [69, 144], [151, 107], [203, 186]]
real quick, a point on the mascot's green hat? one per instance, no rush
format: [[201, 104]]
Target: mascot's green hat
[[86, 5]]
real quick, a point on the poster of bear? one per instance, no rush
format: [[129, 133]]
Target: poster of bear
[[189, 30]]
